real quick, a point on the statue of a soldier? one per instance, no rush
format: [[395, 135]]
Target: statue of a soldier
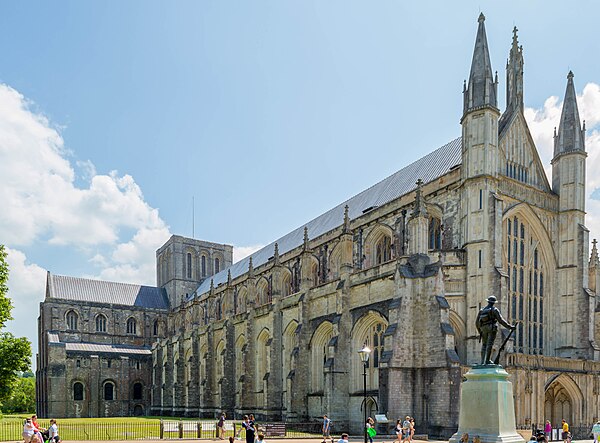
[[486, 325]]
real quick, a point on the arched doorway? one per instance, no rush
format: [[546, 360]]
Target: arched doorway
[[558, 404]]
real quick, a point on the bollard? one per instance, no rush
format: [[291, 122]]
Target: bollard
[[199, 429], [162, 429], [180, 428]]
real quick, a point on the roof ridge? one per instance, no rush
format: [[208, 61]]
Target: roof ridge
[[102, 281]]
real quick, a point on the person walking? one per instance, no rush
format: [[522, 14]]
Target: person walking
[[596, 431], [53, 432], [406, 429], [398, 430], [370, 425], [326, 429], [250, 429], [221, 426], [548, 430], [566, 435], [412, 429]]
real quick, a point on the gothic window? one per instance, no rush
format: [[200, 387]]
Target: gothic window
[[109, 390], [262, 359], [369, 331], [263, 295], [286, 285], [155, 328], [72, 318], [319, 346], [217, 265], [314, 273], [78, 391], [203, 264], [131, 326], [526, 286], [100, 323], [435, 233], [189, 265], [240, 348], [137, 391]]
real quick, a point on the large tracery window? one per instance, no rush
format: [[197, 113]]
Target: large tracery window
[[435, 233], [369, 331], [526, 286]]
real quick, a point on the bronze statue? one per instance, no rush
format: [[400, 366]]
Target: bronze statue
[[486, 325]]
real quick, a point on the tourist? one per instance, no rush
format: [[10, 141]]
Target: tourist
[[53, 432], [326, 428], [250, 429], [548, 430], [28, 431], [260, 438], [221, 426], [398, 430], [343, 439], [596, 431], [566, 437], [38, 429], [412, 428], [370, 429], [406, 429]]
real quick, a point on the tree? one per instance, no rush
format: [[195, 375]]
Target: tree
[[22, 398], [15, 353]]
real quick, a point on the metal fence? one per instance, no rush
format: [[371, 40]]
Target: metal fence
[[578, 432], [11, 430]]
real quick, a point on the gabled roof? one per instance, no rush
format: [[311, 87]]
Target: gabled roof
[[428, 168], [97, 291], [107, 349]]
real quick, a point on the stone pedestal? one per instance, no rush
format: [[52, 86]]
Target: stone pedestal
[[487, 407]]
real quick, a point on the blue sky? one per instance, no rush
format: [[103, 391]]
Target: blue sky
[[116, 113]]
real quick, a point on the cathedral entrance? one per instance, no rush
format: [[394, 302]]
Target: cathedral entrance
[[558, 404]]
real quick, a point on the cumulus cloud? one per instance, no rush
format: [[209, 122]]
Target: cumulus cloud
[[240, 252], [104, 222], [542, 122]]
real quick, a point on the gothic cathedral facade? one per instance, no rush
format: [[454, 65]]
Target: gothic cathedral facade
[[402, 267]]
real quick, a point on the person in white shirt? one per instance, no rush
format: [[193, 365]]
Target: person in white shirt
[[596, 431], [53, 431], [344, 439], [28, 430]]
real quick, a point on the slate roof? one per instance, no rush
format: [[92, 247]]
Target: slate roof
[[428, 168], [97, 291], [111, 349]]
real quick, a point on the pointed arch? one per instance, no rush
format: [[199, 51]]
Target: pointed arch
[[319, 352], [286, 283], [378, 245], [240, 351], [368, 330], [263, 293], [460, 333], [262, 362], [335, 262], [563, 399], [242, 299]]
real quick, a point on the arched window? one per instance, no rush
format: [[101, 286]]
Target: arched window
[[78, 391], [72, 318], [383, 250], [203, 264], [262, 361], [369, 331], [335, 262], [137, 391], [109, 390], [189, 265], [155, 328], [314, 273], [435, 233], [240, 349], [101, 323], [319, 346], [217, 265], [526, 269], [263, 295], [131, 325], [286, 284]]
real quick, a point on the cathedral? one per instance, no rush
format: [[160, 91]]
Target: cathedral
[[402, 267]]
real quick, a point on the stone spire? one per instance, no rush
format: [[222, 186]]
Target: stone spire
[[250, 268], [594, 259], [229, 277], [481, 89], [305, 245], [514, 75], [570, 137], [276, 260], [346, 220], [419, 208], [212, 286]]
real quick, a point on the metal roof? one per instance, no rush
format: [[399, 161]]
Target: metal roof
[[428, 168], [112, 349], [97, 291]]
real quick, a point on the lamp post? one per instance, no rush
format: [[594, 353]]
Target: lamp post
[[364, 357]]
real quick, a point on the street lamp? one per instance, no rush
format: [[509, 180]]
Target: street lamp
[[364, 357]]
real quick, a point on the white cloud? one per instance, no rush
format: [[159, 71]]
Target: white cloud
[[26, 287], [105, 221], [542, 123], [240, 252]]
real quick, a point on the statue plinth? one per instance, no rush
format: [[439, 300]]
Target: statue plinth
[[487, 407]]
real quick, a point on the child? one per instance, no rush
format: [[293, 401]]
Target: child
[[261, 438], [53, 432]]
